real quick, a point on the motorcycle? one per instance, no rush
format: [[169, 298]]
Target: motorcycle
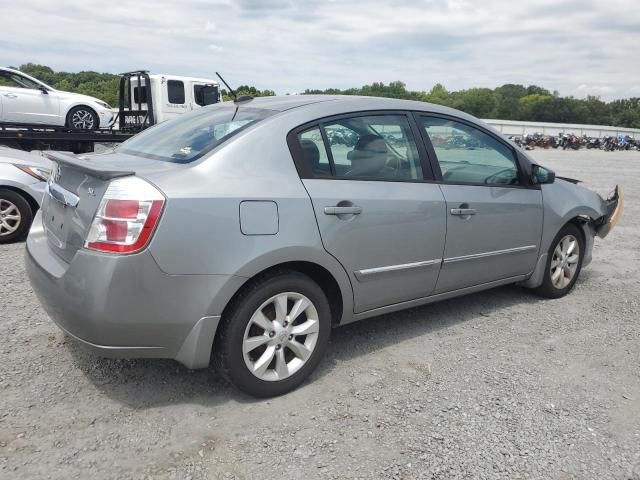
[[593, 142]]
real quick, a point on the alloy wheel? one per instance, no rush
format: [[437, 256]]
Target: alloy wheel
[[10, 217], [82, 119], [281, 336], [564, 262]]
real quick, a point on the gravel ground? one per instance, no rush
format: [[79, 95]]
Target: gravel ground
[[499, 384]]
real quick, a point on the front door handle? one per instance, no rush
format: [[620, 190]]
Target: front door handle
[[352, 210], [11, 95], [463, 211]]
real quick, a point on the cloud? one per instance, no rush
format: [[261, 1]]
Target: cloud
[[574, 46]]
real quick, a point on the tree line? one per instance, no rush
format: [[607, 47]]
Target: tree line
[[507, 102]]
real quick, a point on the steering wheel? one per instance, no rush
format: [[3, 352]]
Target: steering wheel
[[495, 178]]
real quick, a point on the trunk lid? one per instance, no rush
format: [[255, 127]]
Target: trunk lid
[[75, 189]]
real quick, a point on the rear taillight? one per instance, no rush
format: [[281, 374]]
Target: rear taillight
[[126, 218]]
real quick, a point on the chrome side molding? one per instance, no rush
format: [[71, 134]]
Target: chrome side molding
[[370, 273], [528, 248]]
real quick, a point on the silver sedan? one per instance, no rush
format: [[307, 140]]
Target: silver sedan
[[23, 178], [244, 232]]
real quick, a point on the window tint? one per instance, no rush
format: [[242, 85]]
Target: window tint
[[314, 152], [376, 147], [468, 155], [191, 135], [175, 91]]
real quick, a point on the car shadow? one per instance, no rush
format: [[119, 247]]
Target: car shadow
[[146, 383]]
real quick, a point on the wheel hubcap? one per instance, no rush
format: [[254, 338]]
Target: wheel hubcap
[[82, 119], [564, 262], [281, 336], [10, 217]]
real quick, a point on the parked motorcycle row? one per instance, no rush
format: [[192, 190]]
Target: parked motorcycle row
[[573, 142]]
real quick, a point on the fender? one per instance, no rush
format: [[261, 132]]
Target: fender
[[305, 254]]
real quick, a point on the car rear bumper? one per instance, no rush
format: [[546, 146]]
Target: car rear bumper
[[125, 306]]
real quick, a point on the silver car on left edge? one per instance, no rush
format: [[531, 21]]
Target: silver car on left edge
[[23, 179], [245, 231]]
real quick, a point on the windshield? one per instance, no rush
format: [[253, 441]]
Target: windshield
[[190, 136]]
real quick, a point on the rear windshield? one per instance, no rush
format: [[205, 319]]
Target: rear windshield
[[190, 136]]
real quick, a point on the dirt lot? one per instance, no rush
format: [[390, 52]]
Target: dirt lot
[[499, 384]]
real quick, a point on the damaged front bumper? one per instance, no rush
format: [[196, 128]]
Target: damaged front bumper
[[615, 205]]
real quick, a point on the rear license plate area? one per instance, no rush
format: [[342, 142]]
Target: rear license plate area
[[56, 217]]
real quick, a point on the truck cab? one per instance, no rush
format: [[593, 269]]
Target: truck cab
[[171, 95]]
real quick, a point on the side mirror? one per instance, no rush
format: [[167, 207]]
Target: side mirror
[[43, 90], [541, 175]]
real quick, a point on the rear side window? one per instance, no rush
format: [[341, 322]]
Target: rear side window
[[190, 136], [175, 91], [375, 147], [314, 152]]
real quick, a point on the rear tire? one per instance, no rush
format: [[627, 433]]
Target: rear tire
[[564, 263], [260, 347], [15, 216], [82, 118]]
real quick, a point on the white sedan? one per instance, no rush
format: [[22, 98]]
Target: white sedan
[[26, 100]]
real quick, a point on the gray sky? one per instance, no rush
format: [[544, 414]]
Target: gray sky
[[578, 47]]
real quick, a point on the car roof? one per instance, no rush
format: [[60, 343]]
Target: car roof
[[350, 103]]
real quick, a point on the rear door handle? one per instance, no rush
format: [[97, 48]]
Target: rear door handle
[[11, 95], [353, 210], [463, 211]]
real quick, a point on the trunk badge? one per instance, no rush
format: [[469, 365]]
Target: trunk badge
[[91, 191]]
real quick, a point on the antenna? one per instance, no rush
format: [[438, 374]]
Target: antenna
[[236, 99]]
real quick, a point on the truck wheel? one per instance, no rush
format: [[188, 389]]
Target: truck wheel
[[82, 118], [274, 335], [564, 263], [15, 216]]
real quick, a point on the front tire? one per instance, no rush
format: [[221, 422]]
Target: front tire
[[564, 263], [15, 216], [274, 334], [82, 118]]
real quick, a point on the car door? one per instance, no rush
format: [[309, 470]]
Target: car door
[[494, 217], [25, 102], [376, 213]]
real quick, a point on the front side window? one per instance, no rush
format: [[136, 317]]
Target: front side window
[[190, 136], [468, 155], [175, 91], [10, 79], [376, 147]]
